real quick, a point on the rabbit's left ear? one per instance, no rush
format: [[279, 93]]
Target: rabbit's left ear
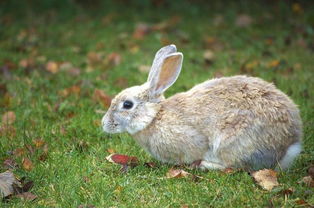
[[166, 74]]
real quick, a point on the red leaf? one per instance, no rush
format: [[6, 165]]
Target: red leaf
[[123, 159]]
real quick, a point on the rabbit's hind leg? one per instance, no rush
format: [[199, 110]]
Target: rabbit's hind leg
[[205, 165]]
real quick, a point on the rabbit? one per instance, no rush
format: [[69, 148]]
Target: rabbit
[[229, 122]]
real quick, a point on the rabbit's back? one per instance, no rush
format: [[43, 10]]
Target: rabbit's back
[[247, 120]]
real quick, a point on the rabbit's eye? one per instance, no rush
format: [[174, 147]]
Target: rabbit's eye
[[127, 104]]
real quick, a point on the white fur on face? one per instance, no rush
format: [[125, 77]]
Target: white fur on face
[[117, 119]]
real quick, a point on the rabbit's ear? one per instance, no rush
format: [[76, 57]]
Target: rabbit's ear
[[159, 57], [166, 75]]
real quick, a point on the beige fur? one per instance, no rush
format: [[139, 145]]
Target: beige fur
[[235, 121]]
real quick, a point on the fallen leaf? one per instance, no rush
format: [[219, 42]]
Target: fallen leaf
[[7, 180], [7, 130], [111, 151], [8, 118], [141, 30], [27, 164], [266, 178], [38, 143], [150, 164], [243, 20], [113, 59], [103, 98], [94, 58], [208, 56], [303, 203], [123, 160], [73, 90], [52, 67], [229, 170], [177, 173], [212, 43], [288, 191], [297, 8], [18, 152], [10, 163], [28, 196], [308, 180], [273, 63], [27, 63]]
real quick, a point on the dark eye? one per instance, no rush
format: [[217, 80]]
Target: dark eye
[[127, 104]]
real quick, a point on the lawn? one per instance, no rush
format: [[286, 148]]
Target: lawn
[[61, 61]]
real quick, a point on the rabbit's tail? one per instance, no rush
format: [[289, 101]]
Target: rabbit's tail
[[292, 152]]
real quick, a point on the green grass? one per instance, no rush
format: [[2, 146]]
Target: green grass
[[75, 171]]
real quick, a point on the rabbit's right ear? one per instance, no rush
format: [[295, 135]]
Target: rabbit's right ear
[[167, 73], [159, 58]]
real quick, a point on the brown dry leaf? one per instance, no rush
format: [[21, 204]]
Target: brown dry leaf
[[212, 43], [28, 196], [94, 58], [27, 164], [243, 20], [111, 151], [273, 64], [303, 203], [209, 57], [287, 192], [10, 163], [75, 89], [52, 67], [150, 164], [297, 8], [27, 63], [7, 180], [308, 180], [113, 59], [177, 173], [18, 152], [103, 98], [266, 178], [141, 30], [229, 170], [38, 143], [8, 118], [7, 130]]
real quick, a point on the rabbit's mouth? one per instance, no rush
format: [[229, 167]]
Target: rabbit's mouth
[[110, 126]]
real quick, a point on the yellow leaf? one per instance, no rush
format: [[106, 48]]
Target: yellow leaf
[[27, 164]]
